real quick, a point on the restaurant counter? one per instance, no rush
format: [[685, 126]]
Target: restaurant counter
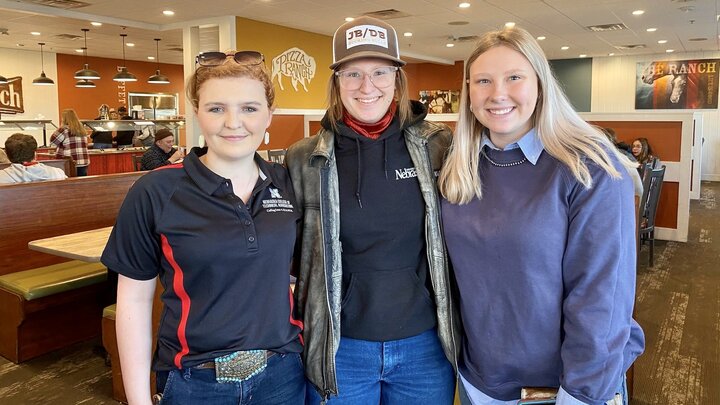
[[104, 161]]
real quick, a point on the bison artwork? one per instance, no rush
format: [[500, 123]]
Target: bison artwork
[[295, 64]]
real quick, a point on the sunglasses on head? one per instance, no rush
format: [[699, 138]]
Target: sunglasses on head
[[218, 58]]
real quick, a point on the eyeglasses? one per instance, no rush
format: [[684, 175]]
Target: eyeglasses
[[381, 77], [218, 58]]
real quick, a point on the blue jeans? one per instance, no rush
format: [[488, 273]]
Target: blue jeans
[[281, 383], [413, 370], [102, 145], [81, 171]]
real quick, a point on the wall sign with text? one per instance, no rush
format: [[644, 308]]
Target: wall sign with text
[[296, 65], [678, 84], [11, 96]]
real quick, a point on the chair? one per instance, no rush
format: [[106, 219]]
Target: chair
[[277, 155], [652, 185], [137, 162]]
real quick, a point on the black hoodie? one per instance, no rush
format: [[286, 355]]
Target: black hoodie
[[382, 231]]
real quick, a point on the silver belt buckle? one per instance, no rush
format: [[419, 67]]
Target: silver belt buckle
[[240, 366]]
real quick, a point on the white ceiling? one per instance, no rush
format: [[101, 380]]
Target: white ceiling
[[562, 22]]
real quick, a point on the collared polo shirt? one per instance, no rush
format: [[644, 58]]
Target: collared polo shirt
[[224, 264]]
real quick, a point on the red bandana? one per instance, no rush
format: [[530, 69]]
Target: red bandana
[[33, 163], [372, 131]]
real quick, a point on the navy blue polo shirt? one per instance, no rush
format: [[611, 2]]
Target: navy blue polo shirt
[[224, 264]]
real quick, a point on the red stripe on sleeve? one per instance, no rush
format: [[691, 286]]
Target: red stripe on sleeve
[[294, 321], [179, 288]]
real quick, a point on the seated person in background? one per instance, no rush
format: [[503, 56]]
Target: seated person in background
[[102, 139], [20, 149], [162, 152], [625, 150], [3, 156], [124, 139], [642, 151]]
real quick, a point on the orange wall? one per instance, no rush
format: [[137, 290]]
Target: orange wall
[[664, 137], [85, 101], [284, 131], [431, 76]]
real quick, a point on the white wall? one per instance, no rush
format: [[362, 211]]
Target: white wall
[[40, 102], [613, 90]]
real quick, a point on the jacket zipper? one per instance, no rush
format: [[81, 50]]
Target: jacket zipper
[[325, 389]]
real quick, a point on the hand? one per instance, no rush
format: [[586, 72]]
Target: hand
[[179, 154]]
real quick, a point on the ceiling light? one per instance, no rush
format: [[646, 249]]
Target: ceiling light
[[651, 29], [86, 73], [81, 50], [168, 12], [540, 38], [42, 80], [565, 48], [35, 33], [449, 45], [669, 50], [611, 54], [151, 58], [348, 19], [662, 41], [123, 75], [582, 55], [84, 84], [464, 5], [24, 44], [407, 34], [509, 24], [96, 24], [130, 44], [638, 12], [158, 78]]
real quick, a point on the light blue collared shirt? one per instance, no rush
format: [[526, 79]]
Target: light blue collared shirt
[[530, 145]]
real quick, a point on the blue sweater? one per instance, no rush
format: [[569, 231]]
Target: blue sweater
[[546, 272]]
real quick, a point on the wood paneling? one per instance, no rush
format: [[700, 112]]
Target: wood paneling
[[112, 162], [666, 216], [664, 136], [431, 76], [284, 131]]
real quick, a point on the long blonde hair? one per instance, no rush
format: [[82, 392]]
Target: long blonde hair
[[565, 135], [71, 120]]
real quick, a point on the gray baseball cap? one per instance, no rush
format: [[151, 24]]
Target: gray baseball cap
[[365, 37]]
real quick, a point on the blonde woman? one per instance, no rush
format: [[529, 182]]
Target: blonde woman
[[71, 140], [539, 223]]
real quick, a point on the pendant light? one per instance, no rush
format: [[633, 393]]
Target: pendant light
[[86, 73], [158, 78], [123, 75], [84, 83], [43, 80]]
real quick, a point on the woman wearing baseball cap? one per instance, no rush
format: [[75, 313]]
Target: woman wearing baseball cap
[[373, 286]]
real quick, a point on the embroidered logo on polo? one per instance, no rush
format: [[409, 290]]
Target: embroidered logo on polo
[[366, 35], [276, 202]]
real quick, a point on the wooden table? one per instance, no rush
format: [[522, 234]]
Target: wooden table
[[86, 246]]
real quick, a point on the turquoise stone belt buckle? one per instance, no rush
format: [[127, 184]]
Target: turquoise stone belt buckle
[[240, 366]]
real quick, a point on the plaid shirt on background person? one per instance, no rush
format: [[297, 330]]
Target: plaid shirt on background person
[[68, 145]]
